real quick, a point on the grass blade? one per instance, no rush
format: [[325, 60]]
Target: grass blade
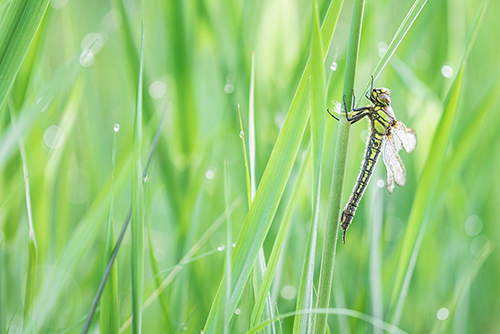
[[138, 201], [339, 311], [271, 186], [186, 259], [279, 243], [332, 227], [29, 295], [305, 298], [464, 285], [422, 203], [109, 317], [17, 31], [408, 21]]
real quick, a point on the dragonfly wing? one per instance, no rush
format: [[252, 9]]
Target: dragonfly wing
[[395, 169], [405, 136]]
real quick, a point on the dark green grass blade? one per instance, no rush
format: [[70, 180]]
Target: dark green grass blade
[[332, 227], [272, 185], [305, 297]]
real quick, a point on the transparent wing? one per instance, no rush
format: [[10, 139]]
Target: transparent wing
[[404, 136], [395, 169]]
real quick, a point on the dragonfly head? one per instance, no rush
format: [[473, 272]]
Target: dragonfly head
[[381, 96]]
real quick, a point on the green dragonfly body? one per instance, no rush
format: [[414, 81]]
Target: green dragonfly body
[[387, 136]]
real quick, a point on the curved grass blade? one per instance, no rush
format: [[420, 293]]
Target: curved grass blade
[[408, 21], [271, 186], [328, 262], [17, 31], [339, 311], [137, 223], [29, 295], [260, 265], [440, 326], [422, 204], [279, 243], [305, 297], [186, 259]]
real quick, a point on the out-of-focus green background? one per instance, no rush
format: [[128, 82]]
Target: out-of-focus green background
[[197, 67]]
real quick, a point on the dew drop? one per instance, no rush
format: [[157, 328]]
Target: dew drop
[[229, 89], [334, 66], [116, 128], [382, 48], [237, 311], [86, 58], [473, 225], [447, 71], [288, 292], [53, 136], [157, 89], [443, 313], [221, 248], [234, 245], [210, 174], [242, 134]]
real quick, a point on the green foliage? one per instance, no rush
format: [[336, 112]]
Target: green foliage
[[421, 260]]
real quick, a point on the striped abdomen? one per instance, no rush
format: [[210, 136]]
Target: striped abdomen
[[371, 155]]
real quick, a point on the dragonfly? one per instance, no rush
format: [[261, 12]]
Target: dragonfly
[[388, 136]]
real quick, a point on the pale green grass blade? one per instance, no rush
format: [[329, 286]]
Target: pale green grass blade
[[271, 186], [408, 21], [109, 317], [229, 236], [64, 76], [186, 259], [17, 31], [339, 311], [376, 260], [260, 267], [470, 274], [110, 264], [332, 227], [469, 140], [29, 294], [137, 222], [417, 221], [247, 173], [167, 323], [305, 297], [279, 243]]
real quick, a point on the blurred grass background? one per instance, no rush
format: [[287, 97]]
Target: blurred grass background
[[66, 101]]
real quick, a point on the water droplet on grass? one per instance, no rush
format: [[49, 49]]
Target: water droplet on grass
[[443, 313]]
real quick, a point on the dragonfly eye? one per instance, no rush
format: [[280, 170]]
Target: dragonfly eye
[[383, 96]]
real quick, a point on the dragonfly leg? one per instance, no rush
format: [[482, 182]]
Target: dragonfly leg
[[328, 110], [360, 112], [371, 90]]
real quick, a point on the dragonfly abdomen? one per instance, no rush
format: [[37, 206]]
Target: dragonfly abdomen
[[371, 156]]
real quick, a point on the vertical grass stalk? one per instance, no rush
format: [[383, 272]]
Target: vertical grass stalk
[[29, 295], [137, 202], [108, 317], [331, 235], [305, 298]]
